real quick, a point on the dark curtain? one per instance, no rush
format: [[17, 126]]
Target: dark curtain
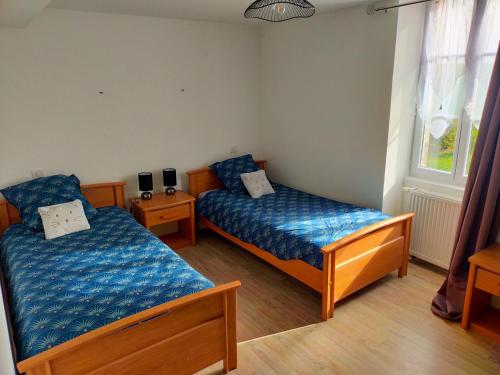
[[479, 219]]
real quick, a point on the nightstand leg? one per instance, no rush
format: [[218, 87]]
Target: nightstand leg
[[192, 224], [468, 296], [187, 227]]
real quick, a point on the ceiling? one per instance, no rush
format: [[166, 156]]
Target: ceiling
[[209, 10]]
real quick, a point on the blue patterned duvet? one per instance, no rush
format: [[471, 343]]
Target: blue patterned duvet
[[290, 224], [65, 287]]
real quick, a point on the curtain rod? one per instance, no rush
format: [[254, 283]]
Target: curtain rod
[[372, 9]]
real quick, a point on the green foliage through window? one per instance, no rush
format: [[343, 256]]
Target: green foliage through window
[[440, 150]]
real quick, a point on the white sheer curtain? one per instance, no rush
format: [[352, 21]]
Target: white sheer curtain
[[482, 56], [442, 77], [483, 48], [460, 42]]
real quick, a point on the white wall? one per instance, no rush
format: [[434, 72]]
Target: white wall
[[326, 92], [19, 13], [410, 28], [53, 118]]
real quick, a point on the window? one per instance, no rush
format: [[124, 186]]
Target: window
[[460, 43]]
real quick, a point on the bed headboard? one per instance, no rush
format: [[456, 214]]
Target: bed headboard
[[204, 179], [99, 195]]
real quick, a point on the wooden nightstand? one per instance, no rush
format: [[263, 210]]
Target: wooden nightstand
[[163, 209], [483, 282]]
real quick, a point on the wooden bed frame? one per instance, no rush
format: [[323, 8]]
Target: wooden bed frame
[[349, 264], [181, 336]]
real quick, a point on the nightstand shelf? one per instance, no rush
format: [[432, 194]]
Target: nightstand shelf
[[164, 209], [176, 240], [483, 282], [488, 323]]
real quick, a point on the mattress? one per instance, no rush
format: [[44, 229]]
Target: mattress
[[289, 224], [65, 287]]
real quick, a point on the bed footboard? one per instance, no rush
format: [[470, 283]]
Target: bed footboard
[[179, 337], [359, 259]]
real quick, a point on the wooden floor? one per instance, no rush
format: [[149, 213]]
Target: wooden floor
[[387, 328]]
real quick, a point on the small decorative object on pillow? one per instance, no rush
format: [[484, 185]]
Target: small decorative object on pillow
[[45, 191], [229, 171], [62, 219], [257, 184]]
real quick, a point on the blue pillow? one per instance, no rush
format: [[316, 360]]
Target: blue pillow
[[229, 171], [45, 191]]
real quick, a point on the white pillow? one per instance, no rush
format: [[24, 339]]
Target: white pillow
[[257, 183], [62, 219]]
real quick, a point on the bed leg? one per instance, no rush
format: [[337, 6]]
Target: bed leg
[[231, 358], [328, 287], [403, 270]]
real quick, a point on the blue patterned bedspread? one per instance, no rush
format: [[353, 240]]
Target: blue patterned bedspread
[[65, 287], [290, 224]]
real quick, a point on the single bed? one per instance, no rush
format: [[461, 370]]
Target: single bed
[[112, 299], [333, 247]]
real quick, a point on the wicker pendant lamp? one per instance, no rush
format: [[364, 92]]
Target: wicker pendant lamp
[[279, 10]]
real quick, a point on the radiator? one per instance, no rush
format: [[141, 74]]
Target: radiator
[[434, 225]]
